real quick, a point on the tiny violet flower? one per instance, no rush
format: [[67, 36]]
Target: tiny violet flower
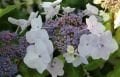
[[68, 9], [55, 68], [94, 26], [97, 46], [117, 20], [104, 16], [91, 10], [22, 22], [37, 58]]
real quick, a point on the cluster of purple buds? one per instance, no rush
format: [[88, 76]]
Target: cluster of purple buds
[[7, 68], [66, 30], [12, 51]]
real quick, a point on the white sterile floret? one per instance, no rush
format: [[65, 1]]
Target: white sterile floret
[[36, 32], [51, 11], [55, 68], [76, 60], [22, 22], [68, 9], [39, 54], [90, 9], [117, 20], [97, 46], [37, 58], [97, 1], [104, 15], [94, 26], [79, 60], [72, 57], [49, 4], [51, 8]]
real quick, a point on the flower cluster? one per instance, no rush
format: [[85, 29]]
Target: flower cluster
[[113, 5], [66, 30], [12, 50], [77, 34]]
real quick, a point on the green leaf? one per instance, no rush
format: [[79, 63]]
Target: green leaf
[[71, 71], [8, 9], [94, 65], [115, 72], [117, 35], [27, 72]]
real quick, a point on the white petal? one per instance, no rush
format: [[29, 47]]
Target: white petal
[[92, 9], [19, 22], [57, 68], [30, 57], [85, 47], [33, 35], [109, 41], [68, 9], [94, 26], [49, 45], [46, 4], [32, 15], [69, 57], [56, 2], [13, 20], [41, 49], [79, 60], [36, 23], [23, 23]]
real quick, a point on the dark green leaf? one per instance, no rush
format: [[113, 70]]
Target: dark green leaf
[[94, 65], [8, 9], [71, 71]]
